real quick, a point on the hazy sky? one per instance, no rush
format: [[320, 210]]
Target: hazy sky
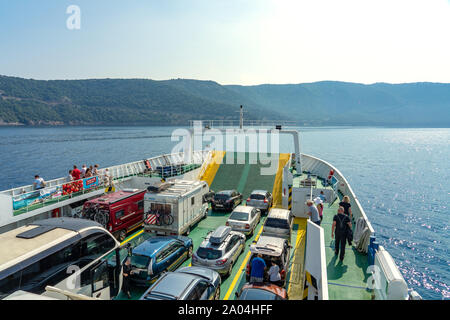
[[229, 41]]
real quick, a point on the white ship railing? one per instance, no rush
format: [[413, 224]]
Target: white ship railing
[[119, 173], [246, 123], [322, 168]]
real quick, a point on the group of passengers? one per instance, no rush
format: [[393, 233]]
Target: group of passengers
[[342, 221], [258, 271], [85, 172]]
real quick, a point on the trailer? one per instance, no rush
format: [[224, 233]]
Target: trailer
[[174, 207]]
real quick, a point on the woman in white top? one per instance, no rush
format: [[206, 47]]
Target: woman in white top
[[274, 273]]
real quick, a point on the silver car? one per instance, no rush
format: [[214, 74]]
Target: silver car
[[244, 219], [220, 250], [261, 199], [278, 224]]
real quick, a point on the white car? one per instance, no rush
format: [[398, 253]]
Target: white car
[[244, 219]]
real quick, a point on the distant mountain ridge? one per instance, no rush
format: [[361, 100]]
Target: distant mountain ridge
[[176, 101]]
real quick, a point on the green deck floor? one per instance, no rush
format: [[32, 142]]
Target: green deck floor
[[245, 178], [347, 280]]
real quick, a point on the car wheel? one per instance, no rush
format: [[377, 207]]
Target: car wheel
[[217, 295], [230, 269]]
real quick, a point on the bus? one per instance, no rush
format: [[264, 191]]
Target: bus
[[75, 255]]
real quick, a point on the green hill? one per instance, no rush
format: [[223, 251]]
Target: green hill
[[176, 101]]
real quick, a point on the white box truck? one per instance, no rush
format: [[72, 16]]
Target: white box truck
[[174, 207]]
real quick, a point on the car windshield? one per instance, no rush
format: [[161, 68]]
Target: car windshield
[[239, 216], [258, 294], [221, 196], [257, 197], [277, 223], [139, 261], [209, 253]]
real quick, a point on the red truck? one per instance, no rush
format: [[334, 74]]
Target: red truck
[[119, 212]]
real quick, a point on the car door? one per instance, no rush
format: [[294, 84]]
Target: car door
[[234, 245], [254, 218], [205, 290], [175, 255]]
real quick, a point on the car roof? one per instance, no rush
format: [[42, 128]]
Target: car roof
[[268, 287], [259, 192], [219, 246], [227, 192], [278, 213], [111, 198], [197, 271], [151, 246], [241, 208], [173, 284], [268, 245]]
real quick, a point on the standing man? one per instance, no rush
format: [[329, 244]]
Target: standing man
[[76, 173], [313, 212], [341, 224], [258, 268], [126, 277]]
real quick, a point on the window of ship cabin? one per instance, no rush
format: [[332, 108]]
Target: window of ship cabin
[[161, 207], [120, 214]]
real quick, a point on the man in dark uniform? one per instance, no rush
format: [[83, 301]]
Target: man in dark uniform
[[342, 225], [126, 277]]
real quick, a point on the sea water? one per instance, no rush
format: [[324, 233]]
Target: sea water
[[401, 177]]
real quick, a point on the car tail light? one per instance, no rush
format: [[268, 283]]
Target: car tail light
[[227, 224], [265, 200], [283, 274], [248, 199], [247, 226], [221, 261]]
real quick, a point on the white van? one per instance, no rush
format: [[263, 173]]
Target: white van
[[174, 207]]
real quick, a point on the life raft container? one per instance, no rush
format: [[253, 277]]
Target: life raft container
[[330, 174]]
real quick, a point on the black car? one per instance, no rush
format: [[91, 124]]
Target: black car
[[209, 196], [226, 200]]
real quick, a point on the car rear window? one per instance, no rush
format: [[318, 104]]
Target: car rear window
[[239, 216], [277, 223], [221, 196], [139, 261], [209, 254], [257, 197]]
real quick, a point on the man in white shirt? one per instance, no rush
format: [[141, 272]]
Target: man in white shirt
[[274, 274], [83, 170]]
